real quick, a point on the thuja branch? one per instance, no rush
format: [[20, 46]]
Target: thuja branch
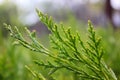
[[83, 58]]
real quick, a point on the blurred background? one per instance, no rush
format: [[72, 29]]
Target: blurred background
[[104, 14]]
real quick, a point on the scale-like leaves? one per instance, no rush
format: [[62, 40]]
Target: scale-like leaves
[[80, 57]]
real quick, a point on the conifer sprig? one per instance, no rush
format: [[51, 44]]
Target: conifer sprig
[[82, 58]]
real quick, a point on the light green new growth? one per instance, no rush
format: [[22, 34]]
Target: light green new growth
[[35, 74], [71, 53]]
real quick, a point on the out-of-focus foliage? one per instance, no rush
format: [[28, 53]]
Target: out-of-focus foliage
[[12, 58], [12, 61], [8, 14]]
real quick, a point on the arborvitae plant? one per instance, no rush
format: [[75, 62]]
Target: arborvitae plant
[[67, 51]]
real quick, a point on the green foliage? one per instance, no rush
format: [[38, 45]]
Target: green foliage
[[110, 41], [35, 74], [12, 58], [68, 51], [12, 61]]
